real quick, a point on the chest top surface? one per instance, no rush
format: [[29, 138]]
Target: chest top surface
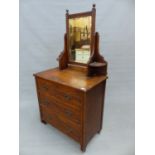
[[72, 78]]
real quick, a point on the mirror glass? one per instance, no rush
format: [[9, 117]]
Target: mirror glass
[[80, 39]]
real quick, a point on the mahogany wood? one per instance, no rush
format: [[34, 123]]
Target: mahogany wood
[[72, 102], [71, 97], [95, 55], [63, 57], [97, 59]]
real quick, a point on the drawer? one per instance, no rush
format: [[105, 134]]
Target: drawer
[[61, 93], [60, 123], [65, 111], [46, 97]]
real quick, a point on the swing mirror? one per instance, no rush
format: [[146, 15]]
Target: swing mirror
[[80, 34]]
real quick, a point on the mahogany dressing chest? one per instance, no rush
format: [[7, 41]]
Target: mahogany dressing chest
[[71, 96]]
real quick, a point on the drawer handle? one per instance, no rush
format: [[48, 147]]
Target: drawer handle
[[77, 121], [69, 130], [68, 113], [46, 102], [67, 97], [45, 87]]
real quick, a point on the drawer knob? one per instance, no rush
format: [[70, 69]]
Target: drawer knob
[[67, 97]]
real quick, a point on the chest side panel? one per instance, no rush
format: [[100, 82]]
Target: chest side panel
[[94, 103]]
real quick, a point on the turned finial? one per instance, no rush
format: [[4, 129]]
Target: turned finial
[[94, 5], [67, 12]]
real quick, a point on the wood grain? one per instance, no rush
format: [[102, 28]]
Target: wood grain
[[71, 96]]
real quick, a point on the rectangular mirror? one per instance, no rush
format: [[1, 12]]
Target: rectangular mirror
[[80, 39]]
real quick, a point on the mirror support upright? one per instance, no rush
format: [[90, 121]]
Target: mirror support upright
[[63, 57], [96, 64]]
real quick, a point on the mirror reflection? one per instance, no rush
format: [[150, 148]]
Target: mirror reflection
[[80, 39]]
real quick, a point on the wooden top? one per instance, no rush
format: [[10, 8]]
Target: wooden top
[[72, 78]]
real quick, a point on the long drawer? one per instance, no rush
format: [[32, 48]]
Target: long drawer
[[69, 113], [60, 93], [61, 123]]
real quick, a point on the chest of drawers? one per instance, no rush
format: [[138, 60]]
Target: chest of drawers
[[71, 102]]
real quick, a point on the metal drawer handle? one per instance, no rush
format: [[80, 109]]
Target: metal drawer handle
[[46, 102], [45, 87], [67, 97], [69, 130], [68, 113], [78, 122]]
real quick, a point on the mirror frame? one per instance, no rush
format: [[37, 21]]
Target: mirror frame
[[78, 15]]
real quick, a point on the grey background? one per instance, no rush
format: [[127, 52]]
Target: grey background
[[42, 25]]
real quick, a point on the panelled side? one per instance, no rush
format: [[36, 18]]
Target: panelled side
[[93, 111]]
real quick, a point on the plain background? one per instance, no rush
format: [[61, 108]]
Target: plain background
[[42, 25]]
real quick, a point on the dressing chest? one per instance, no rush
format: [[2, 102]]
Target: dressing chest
[[71, 96]]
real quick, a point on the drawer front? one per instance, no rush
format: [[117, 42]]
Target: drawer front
[[60, 123], [61, 94], [69, 113]]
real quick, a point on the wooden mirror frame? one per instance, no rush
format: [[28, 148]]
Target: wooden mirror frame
[[92, 14], [96, 64]]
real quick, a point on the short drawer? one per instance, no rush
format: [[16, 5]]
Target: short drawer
[[60, 93], [65, 111], [60, 123]]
